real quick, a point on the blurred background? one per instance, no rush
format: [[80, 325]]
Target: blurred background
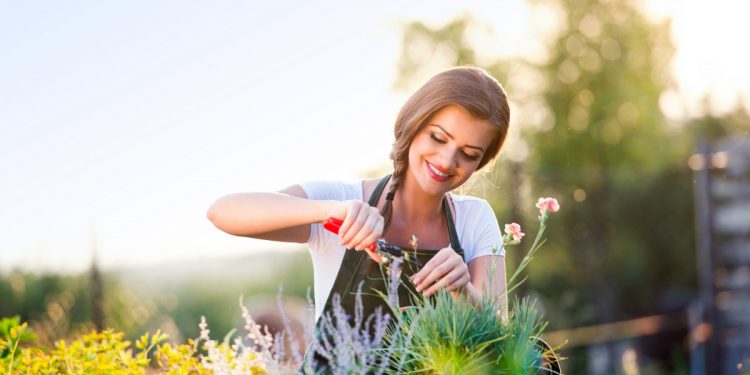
[[120, 123]]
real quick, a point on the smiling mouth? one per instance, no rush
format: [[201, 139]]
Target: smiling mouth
[[436, 173]]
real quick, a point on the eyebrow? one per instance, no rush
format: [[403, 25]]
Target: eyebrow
[[451, 137]]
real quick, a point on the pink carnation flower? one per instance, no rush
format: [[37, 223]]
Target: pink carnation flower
[[514, 230], [547, 204]]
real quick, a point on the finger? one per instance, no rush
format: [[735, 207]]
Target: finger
[[460, 283], [352, 211], [357, 226], [375, 234], [450, 264], [430, 265], [367, 229], [436, 274], [451, 281], [346, 221]]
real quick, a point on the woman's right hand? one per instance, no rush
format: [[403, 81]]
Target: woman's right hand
[[362, 224]]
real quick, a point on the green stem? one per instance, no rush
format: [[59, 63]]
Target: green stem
[[530, 254], [12, 354]]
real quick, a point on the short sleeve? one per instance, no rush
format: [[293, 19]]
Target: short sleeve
[[487, 238]]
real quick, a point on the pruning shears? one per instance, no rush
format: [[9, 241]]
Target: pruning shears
[[333, 225]]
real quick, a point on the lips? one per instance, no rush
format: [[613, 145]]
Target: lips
[[437, 173]]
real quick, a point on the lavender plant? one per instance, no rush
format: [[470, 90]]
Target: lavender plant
[[349, 344], [256, 357]]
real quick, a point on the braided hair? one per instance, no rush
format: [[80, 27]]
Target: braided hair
[[469, 87]]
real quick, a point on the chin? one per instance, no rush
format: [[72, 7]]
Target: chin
[[432, 187]]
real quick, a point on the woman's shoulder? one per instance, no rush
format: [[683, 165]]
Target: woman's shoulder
[[468, 200], [333, 189], [369, 185], [470, 206]]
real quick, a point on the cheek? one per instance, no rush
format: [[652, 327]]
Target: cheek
[[415, 152], [412, 155]]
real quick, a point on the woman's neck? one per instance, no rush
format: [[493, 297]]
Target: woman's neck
[[420, 215], [414, 206]]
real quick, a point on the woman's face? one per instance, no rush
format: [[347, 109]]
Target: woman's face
[[445, 153]]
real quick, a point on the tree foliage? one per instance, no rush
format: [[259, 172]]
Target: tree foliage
[[598, 141]]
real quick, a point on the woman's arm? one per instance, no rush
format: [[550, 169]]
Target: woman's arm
[[279, 216], [485, 279], [287, 215]]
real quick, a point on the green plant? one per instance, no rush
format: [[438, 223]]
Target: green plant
[[7, 339], [95, 353]]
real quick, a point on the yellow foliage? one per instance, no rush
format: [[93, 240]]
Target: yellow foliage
[[107, 352], [100, 352]]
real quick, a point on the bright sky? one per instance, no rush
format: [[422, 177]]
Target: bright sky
[[132, 117]]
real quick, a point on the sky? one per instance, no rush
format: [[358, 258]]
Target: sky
[[121, 122]]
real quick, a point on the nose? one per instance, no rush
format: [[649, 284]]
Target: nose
[[448, 157]]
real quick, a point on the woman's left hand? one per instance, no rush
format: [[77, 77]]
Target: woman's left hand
[[445, 270]]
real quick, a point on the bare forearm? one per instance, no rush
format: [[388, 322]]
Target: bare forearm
[[249, 214], [475, 297], [488, 277]]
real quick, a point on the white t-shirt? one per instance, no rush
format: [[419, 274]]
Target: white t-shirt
[[475, 222]]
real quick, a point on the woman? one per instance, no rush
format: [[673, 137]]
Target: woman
[[450, 128]]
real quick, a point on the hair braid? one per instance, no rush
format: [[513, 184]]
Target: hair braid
[[400, 166]]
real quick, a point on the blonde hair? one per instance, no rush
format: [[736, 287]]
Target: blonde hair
[[469, 87]]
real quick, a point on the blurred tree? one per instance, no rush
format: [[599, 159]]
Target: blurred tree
[[713, 127], [606, 145], [59, 306], [622, 245], [54, 305]]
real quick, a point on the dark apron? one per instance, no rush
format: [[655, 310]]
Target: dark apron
[[359, 274]]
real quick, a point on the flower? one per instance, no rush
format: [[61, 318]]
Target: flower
[[547, 204], [514, 230], [204, 329]]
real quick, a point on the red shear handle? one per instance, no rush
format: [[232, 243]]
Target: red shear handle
[[333, 225]]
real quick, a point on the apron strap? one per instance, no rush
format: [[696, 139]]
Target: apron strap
[[455, 244], [378, 190]]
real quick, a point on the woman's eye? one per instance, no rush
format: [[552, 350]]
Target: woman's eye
[[471, 157], [436, 139]]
